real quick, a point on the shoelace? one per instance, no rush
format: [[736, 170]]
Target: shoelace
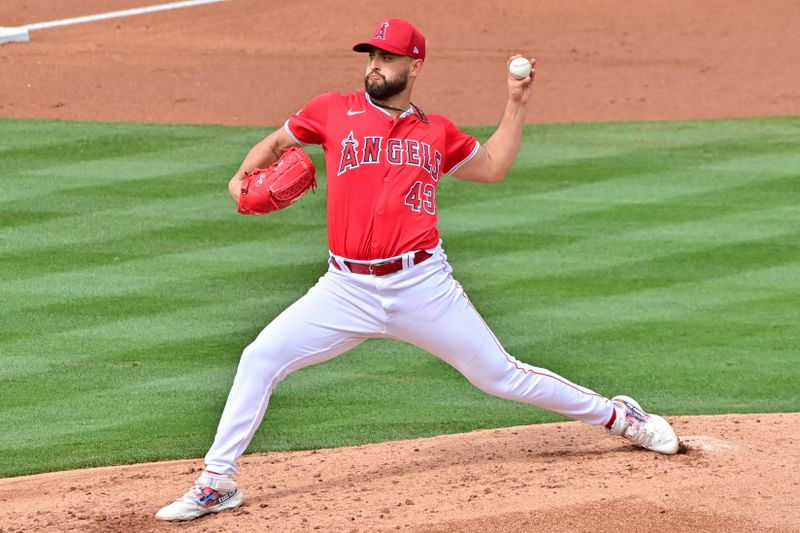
[[639, 435]]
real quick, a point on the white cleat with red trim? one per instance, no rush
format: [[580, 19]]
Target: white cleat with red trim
[[211, 493], [643, 429]]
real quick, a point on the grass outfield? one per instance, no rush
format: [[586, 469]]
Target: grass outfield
[[659, 260]]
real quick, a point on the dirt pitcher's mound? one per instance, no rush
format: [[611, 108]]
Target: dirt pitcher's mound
[[735, 473]]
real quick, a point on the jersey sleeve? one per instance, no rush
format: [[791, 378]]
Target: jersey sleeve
[[460, 148], [307, 126]]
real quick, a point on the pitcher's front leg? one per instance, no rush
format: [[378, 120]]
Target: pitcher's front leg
[[329, 320]]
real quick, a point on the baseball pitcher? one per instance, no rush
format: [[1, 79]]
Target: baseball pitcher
[[388, 274]]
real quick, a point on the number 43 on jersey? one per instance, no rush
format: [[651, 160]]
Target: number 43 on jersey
[[422, 196]]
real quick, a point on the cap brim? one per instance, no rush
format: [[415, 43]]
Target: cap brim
[[368, 46]]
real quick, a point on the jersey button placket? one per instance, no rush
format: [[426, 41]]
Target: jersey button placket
[[379, 210]]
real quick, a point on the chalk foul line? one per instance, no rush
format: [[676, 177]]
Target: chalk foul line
[[117, 14]]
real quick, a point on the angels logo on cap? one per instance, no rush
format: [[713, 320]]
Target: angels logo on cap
[[380, 33], [397, 36]]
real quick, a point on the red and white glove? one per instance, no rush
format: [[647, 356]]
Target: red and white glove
[[279, 186]]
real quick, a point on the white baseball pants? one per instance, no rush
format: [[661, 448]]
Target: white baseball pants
[[422, 305]]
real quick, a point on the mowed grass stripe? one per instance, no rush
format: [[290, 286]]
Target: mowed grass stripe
[[651, 259], [683, 189], [701, 244], [556, 159], [142, 244], [173, 308], [674, 301], [29, 146], [155, 323], [220, 274], [79, 426], [778, 257]]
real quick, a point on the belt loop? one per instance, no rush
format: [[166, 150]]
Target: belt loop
[[341, 265], [408, 260]]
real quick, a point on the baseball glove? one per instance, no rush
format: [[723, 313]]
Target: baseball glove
[[279, 186]]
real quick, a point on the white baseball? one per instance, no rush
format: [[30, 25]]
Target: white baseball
[[520, 68]]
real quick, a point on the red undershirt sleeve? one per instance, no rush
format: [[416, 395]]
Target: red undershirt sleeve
[[308, 125], [460, 148]]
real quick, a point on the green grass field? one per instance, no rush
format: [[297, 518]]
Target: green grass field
[[659, 260]]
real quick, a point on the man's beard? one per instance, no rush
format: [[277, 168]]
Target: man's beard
[[381, 90]]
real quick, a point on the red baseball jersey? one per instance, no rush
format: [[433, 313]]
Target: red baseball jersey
[[382, 173]]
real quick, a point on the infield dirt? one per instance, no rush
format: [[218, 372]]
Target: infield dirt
[[242, 62]]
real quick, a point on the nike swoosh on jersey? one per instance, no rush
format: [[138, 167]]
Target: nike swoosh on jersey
[[350, 112]]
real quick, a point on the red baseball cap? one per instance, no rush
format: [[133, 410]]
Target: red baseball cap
[[397, 36]]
